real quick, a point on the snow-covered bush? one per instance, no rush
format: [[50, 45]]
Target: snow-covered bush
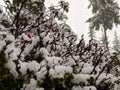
[[38, 51]]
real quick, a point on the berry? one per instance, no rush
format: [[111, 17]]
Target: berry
[[29, 35], [53, 29]]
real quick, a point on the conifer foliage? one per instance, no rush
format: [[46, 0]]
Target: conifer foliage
[[116, 43], [105, 16], [38, 51]]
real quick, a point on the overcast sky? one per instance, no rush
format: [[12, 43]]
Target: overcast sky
[[78, 14]]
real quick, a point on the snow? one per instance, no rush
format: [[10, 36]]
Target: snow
[[52, 61], [84, 88], [33, 66], [41, 74], [117, 87], [103, 76], [12, 52], [10, 38], [48, 48], [12, 67], [39, 88], [2, 44], [44, 52], [89, 88], [29, 47], [70, 61], [60, 71], [54, 22], [58, 47], [25, 37], [23, 68], [80, 78], [31, 85], [87, 68], [76, 88], [43, 34], [3, 32]]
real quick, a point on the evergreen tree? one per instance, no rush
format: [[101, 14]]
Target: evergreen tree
[[105, 15], [91, 33], [102, 39], [116, 43]]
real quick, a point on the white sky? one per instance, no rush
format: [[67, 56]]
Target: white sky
[[78, 14]]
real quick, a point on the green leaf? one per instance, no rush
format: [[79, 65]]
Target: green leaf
[[39, 58]]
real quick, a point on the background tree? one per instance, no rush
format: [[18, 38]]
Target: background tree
[[105, 15], [116, 43], [91, 33], [102, 39]]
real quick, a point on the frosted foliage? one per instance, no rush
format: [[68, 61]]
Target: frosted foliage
[[39, 51], [76, 88], [33, 66], [2, 44], [23, 68], [80, 77], [31, 85], [25, 37], [52, 61], [41, 74], [117, 87], [44, 52], [60, 71], [85, 88], [12, 67], [89, 88], [10, 38], [87, 68], [40, 89]]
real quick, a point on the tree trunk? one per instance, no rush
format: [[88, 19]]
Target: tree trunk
[[106, 39]]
